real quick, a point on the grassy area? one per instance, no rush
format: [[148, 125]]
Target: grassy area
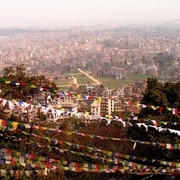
[[115, 83], [82, 79], [106, 81], [62, 82], [110, 82], [63, 88], [138, 77]]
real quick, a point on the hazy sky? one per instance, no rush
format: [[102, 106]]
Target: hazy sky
[[23, 13]]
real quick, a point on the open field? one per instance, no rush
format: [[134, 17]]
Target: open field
[[82, 79], [115, 83], [106, 81], [64, 82]]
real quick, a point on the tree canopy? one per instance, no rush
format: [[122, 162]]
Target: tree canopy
[[163, 95], [18, 74]]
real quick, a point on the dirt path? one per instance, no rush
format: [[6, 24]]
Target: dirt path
[[95, 80], [75, 81]]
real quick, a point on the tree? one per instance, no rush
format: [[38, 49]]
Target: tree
[[163, 58], [18, 74], [163, 95]]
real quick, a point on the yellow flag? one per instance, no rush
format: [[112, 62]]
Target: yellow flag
[[26, 133], [79, 96], [66, 168], [85, 165], [99, 99], [8, 82], [86, 113], [15, 124], [33, 86], [23, 164], [14, 100], [18, 153], [48, 139], [109, 153], [86, 169], [64, 162], [153, 107], [169, 109], [110, 117], [42, 158]]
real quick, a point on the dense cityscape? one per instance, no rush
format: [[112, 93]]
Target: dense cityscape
[[111, 52]]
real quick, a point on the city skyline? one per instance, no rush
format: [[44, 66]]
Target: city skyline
[[48, 13]]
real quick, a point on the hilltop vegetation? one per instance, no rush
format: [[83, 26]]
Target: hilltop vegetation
[[18, 75]]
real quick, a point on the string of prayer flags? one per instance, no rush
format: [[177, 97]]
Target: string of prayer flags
[[22, 83], [108, 153], [61, 112], [21, 126], [18, 173], [175, 111], [129, 167]]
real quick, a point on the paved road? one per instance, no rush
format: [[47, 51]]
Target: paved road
[[95, 80]]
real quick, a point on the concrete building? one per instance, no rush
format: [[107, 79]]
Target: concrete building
[[107, 105], [69, 105], [118, 107], [96, 108]]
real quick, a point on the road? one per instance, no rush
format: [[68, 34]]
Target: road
[[90, 77], [75, 81]]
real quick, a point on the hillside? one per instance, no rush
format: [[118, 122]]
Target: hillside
[[80, 148]]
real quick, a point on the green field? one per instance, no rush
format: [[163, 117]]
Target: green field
[[106, 81], [82, 79], [62, 82], [115, 83]]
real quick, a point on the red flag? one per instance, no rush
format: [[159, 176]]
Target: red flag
[[22, 83], [176, 111], [131, 103], [160, 109], [70, 94]]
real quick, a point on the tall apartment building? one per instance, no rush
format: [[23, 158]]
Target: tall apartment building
[[103, 107], [107, 106]]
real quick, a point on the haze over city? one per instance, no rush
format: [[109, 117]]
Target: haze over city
[[57, 13]]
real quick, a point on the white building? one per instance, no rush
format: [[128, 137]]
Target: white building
[[96, 108]]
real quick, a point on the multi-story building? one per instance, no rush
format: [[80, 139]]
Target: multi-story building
[[103, 106], [69, 105], [96, 108], [107, 105], [118, 107]]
